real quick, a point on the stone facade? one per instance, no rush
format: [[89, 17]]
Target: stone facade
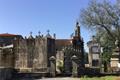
[[39, 54], [33, 54], [6, 63], [67, 48], [94, 53], [27, 55], [115, 60], [7, 39]]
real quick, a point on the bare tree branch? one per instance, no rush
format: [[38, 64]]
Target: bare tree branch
[[102, 15]]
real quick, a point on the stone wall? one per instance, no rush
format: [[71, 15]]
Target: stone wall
[[27, 56], [6, 58], [40, 57], [6, 64], [20, 50], [32, 55]]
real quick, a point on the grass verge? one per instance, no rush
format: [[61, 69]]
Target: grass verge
[[100, 78]]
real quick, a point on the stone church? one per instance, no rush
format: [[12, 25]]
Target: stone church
[[40, 54], [68, 48]]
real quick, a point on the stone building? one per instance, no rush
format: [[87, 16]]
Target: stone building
[[94, 53], [7, 55], [67, 48], [94, 59], [26, 55], [39, 54], [32, 54], [7, 39]]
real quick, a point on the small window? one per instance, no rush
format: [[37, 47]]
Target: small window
[[1, 40], [95, 49], [95, 63]]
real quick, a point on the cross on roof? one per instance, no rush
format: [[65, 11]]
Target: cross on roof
[[39, 32], [48, 31], [31, 33]]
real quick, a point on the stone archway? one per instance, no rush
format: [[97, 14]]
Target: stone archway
[[65, 55]]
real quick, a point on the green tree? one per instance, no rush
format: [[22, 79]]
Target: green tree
[[107, 46], [86, 57], [104, 16]]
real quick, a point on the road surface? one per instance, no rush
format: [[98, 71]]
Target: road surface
[[66, 78]]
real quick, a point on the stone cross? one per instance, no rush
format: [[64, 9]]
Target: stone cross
[[39, 33], [48, 31], [31, 33]]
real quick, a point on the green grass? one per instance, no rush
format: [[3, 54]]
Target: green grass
[[99, 78]]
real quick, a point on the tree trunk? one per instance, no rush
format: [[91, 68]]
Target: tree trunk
[[105, 67]]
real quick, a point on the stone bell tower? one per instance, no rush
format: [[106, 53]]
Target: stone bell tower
[[78, 45], [77, 30], [77, 40]]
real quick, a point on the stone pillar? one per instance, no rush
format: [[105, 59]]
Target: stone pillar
[[52, 66], [66, 65], [74, 66]]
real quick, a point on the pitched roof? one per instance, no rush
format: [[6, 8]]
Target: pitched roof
[[62, 43], [7, 35]]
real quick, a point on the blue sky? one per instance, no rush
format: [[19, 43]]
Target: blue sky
[[59, 16]]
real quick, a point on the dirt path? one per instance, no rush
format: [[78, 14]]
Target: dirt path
[[118, 78]]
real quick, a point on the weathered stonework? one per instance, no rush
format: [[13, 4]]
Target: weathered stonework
[[69, 48], [115, 61], [35, 55], [20, 50], [6, 64], [94, 53], [32, 54]]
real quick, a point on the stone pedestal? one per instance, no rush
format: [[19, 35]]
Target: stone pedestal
[[74, 66], [52, 66]]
